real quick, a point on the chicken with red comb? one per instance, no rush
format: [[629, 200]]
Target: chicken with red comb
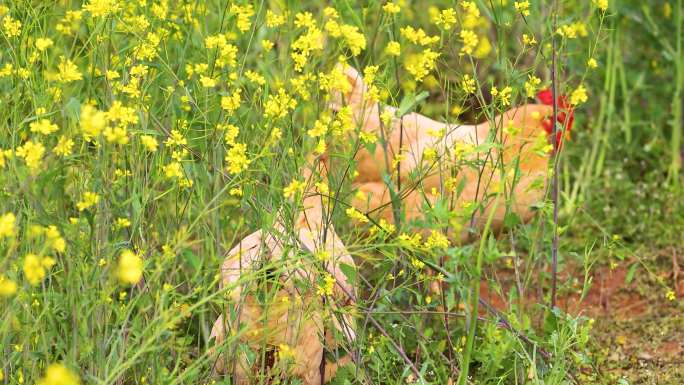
[[520, 139]]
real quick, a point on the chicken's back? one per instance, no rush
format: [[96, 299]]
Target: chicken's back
[[515, 164]]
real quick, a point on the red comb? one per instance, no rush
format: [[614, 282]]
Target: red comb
[[566, 115]]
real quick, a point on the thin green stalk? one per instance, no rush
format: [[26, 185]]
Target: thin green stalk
[[610, 114], [475, 299], [554, 177], [676, 140], [601, 127], [624, 90]]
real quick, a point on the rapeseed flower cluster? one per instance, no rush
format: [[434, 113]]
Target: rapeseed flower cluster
[[35, 268], [141, 139]]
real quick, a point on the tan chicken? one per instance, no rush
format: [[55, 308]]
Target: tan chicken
[[524, 133], [286, 328]]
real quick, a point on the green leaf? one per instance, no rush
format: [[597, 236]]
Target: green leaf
[[511, 220], [72, 108], [370, 147], [410, 101], [343, 375], [349, 271], [630, 273], [192, 259], [550, 321]]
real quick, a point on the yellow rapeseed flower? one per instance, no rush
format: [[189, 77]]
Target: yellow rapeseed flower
[[11, 26], [176, 139], [35, 268], [436, 240], [130, 268], [470, 41], [7, 287], [471, 17], [356, 215], [64, 146], [68, 71], [149, 142], [43, 126], [328, 284], [503, 95], [293, 188], [123, 114], [274, 20], [468, 84], [231, 133], [393, 48], [89, 200], [285, 352], [43, 43], [7, 225], [207, 82], [4, 156], [355, 40], [267, 45], [101, 8], [237, 160], [32, 153], [231, 102], [670, 295], [418, 36], [116, 135], [57, 374], [54, 239], [523, 7], [422, 64], [579, 95], [368, 137], [529, 40], [531, 86], [92, 122], [173, 170], [244, 14], [417, 263], [601, 4], [279, 105], [573, 30], [445, 19], [122, 223], [255, 77], [391, 8]]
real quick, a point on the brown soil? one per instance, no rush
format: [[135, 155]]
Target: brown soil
[[639, 333]]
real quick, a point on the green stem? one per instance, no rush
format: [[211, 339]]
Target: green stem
[[676, 141], [475, 299]]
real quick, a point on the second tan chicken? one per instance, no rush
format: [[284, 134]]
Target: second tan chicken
[[284, 305]]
